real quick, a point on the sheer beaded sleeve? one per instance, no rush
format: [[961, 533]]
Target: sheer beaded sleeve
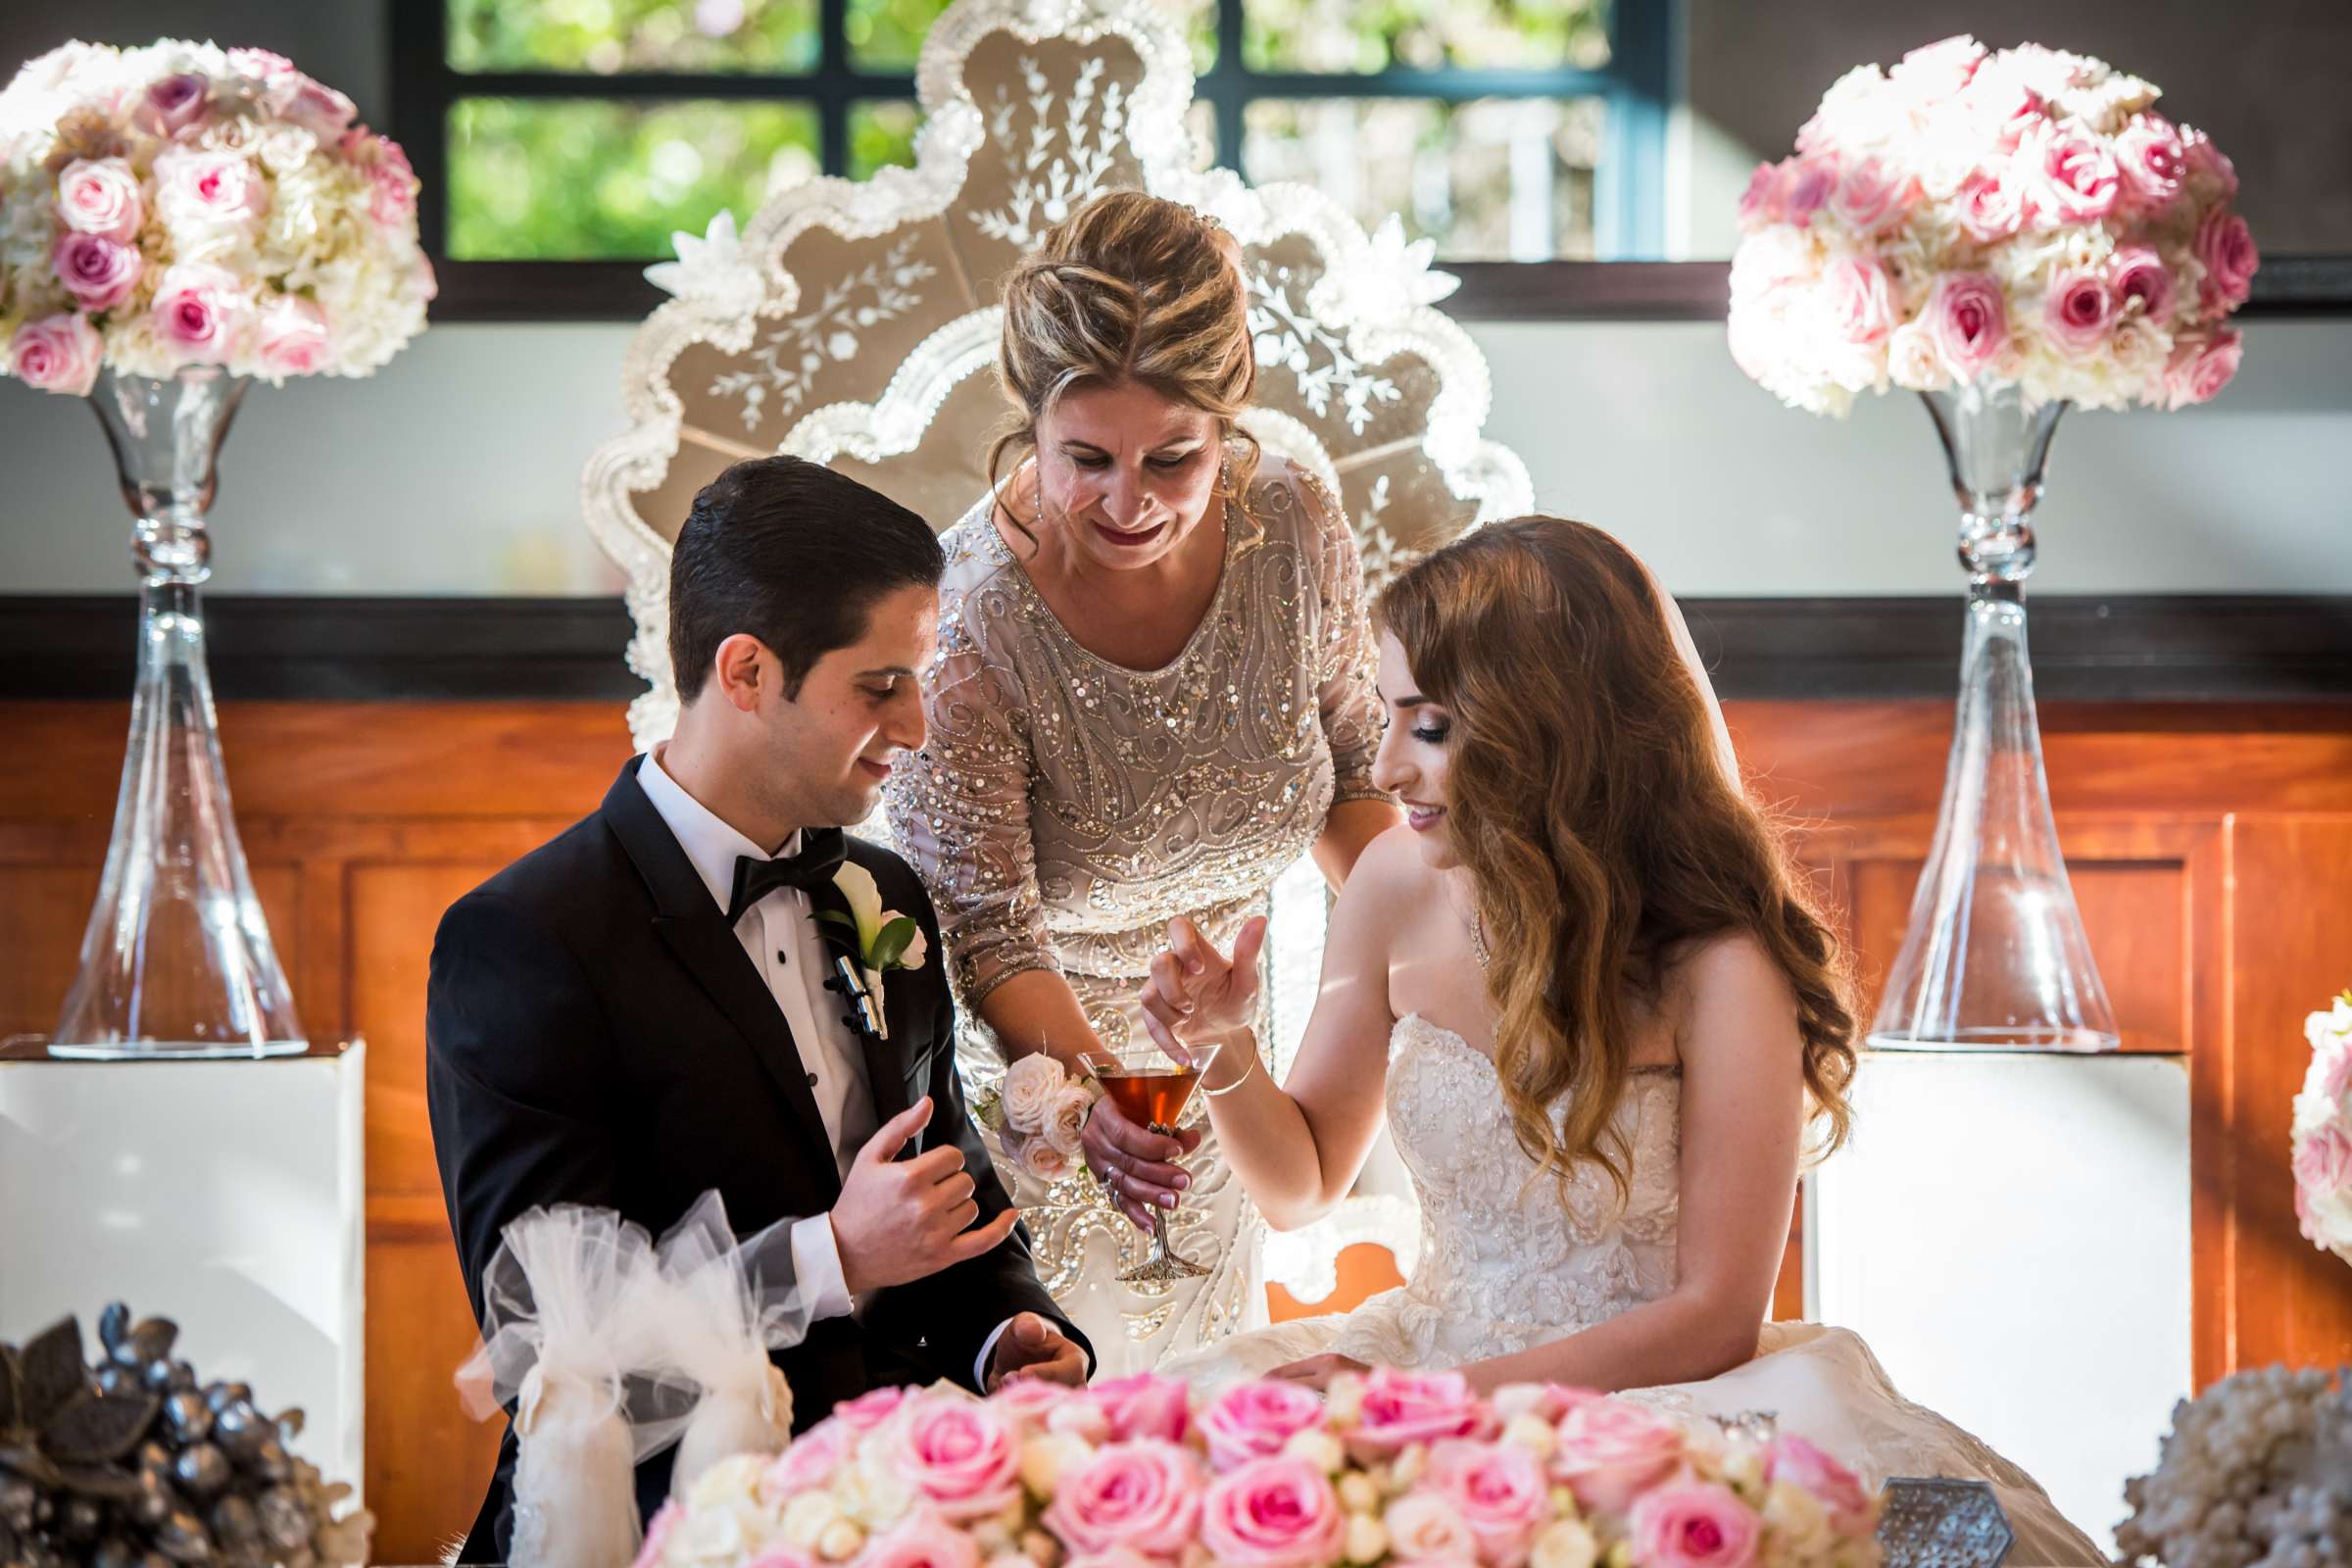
[[961, 807]]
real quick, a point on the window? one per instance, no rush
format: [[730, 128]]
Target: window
[[562, 141]]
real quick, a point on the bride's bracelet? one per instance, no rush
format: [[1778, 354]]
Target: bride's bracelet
[[1248, 1043]]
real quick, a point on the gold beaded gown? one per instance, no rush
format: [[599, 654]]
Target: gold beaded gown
[[1065, 809]]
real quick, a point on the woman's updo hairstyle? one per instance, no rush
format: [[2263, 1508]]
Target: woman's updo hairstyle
[[1131, 287]]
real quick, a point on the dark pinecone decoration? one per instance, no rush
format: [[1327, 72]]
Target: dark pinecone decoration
[[131, 1463]]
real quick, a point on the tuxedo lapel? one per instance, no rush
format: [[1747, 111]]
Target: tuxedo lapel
[[696, 930], [885, 1059]]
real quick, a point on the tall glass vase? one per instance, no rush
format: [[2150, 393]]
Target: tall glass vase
[[176, 961], [1994, 957]]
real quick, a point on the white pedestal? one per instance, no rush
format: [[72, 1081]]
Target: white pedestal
[[2011, 1234], [227, 1196]]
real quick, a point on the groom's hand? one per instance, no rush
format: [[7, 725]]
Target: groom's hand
[[1032, 1348], [901, 1219]]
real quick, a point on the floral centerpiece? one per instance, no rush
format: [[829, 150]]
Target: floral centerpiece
[[2023, 216], [183, 204], [2257, 1469], [1390, 1468], [176, 221], [2322, 1132], [2007, 234]]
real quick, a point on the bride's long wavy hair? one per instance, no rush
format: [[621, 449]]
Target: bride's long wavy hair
[[1586, 796]]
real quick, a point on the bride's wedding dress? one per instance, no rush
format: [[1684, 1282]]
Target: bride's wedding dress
[[1505, 1266]]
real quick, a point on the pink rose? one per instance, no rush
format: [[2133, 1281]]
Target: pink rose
[[2324, 1161], [1254, 1420], [2138, 272], [2080, 310], [1116, 1557], [1694, 1524], [959, 1454], [921, 1541], [2225, 247], [1804, 186], [1499, 1488], [99, 196], [658, 1530], [1793, 1459], [2076, 178], [203, 190], [2205, 166], [59, 354], [393, 181], [808, 1463], [1406, 1408], [1610, 1449], [1760, 204], [1872, 194], [1145, 1495], [2336, 1080], [1272, 1513], [202, 312], [1860, 308], [1547, 1401], [869, 1409], [1145, 1406], [1968, 321], [2001, 109], [1030, 1400], [1992, 205], [2200, 367], [1426, 1527], [174, 103], [294, 339], [99, 272], [2152, 159]]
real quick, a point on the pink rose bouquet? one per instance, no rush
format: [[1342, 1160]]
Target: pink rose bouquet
[[1036, 1116], [2322, 1132], [2023, 218], [187, 205], [1391, 1468]]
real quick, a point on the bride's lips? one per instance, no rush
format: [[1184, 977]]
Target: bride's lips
[[1421, 818], [873, 769], [1130, 540]]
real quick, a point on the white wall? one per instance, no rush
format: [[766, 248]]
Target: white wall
[[457, 470]]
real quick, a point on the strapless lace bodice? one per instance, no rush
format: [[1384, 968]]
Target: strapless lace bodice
[[1498, 1247]]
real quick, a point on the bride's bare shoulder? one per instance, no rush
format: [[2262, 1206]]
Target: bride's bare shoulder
[[1390, 877]]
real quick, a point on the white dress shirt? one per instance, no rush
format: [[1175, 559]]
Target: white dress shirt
[[779, 934]]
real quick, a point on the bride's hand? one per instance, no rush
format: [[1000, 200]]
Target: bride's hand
[[1317, 1371], [1195, 993]]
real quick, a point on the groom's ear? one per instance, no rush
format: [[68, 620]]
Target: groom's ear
[[742, 669]]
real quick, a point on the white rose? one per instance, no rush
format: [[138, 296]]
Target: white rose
[[1066, 1117], [1321, 1449], [1912, 362], [1041, 1159], [1564, 1543], [1029, 1084], [1366, 1539]]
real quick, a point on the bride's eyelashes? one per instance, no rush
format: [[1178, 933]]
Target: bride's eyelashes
[[1433, 734], [1167, 465]]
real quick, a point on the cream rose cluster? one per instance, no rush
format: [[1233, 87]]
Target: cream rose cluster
[[1394, 1468], [183, 204], [2021, 217]]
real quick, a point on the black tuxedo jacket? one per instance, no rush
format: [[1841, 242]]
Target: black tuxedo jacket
[[594, 1033]]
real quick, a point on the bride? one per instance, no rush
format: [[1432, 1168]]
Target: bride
[[1602, 1016]]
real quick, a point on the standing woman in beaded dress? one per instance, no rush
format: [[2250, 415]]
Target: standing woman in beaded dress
[[1154, 692]]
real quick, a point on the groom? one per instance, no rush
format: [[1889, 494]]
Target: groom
[[638, 1011]]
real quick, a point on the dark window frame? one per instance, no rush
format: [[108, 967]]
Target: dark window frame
[[1640, 86]]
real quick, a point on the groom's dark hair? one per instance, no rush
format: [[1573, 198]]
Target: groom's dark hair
[[793, 554]]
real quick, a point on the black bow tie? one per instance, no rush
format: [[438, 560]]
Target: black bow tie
[[821, 852]]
